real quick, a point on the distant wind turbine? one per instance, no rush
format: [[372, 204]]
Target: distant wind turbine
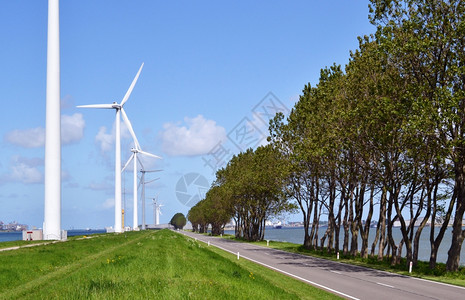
[[119, 111], [156, 210], [136, 150], [143, 183]]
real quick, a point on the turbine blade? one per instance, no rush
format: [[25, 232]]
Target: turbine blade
[[150, 171], [107, 106], [127, 163], [129, 126], [131, 87], [138, 159], [149, 154], [151, 180]]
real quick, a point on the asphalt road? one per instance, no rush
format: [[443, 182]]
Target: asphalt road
[[351, 282]]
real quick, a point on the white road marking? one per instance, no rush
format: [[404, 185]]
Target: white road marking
[[335, 272], [383, 284]]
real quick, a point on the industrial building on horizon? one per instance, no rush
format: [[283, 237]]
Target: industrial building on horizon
[[13, 226]]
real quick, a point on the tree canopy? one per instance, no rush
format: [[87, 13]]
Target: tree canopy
[[178, 221]]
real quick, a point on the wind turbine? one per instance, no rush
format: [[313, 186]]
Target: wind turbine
[[52, 197], [156, 211], [143, 182], [136, 150], [119, 111]]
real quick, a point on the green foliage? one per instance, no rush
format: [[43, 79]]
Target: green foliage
[[215, 209], [249, 189], [255, 182], [178, 221]]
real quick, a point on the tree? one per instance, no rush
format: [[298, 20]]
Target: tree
[[426, 42], [197, 217], [178, 221], [217, 209]]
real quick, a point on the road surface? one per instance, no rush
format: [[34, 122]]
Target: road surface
[[348, 281]]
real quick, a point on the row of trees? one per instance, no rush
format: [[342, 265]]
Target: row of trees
[[386, 134], [249, 190], [386, 131]]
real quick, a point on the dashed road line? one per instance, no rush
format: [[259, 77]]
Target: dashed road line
[[386, 285]]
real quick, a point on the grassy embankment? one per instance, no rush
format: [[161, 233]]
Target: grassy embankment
[[422, 270], [141, 265]]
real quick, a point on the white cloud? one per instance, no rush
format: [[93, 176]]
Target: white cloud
[[109, 203], [106, 140], [197, 138], [72, 131], [72, 128], [28, 138], [25, 170]]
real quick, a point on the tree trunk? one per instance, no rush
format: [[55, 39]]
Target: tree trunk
[[365, 230], [382, 224], [337, 228], [453, 258], [435, 242]]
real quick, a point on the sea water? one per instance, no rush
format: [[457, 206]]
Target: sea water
[[10, 236]]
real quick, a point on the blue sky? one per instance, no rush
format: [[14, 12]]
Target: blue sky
[[213, 69]]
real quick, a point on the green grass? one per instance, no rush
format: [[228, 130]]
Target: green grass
[[422, 269], [141, 265]]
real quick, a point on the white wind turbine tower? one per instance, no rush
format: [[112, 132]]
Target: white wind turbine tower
[[52, 203], [119, 111], [136, 150], [143, 182], [156, 210]]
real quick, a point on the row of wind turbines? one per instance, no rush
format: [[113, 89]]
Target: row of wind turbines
[[52, 196], [134, 158]]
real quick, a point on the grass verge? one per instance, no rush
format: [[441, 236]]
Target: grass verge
[[141, 265]]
